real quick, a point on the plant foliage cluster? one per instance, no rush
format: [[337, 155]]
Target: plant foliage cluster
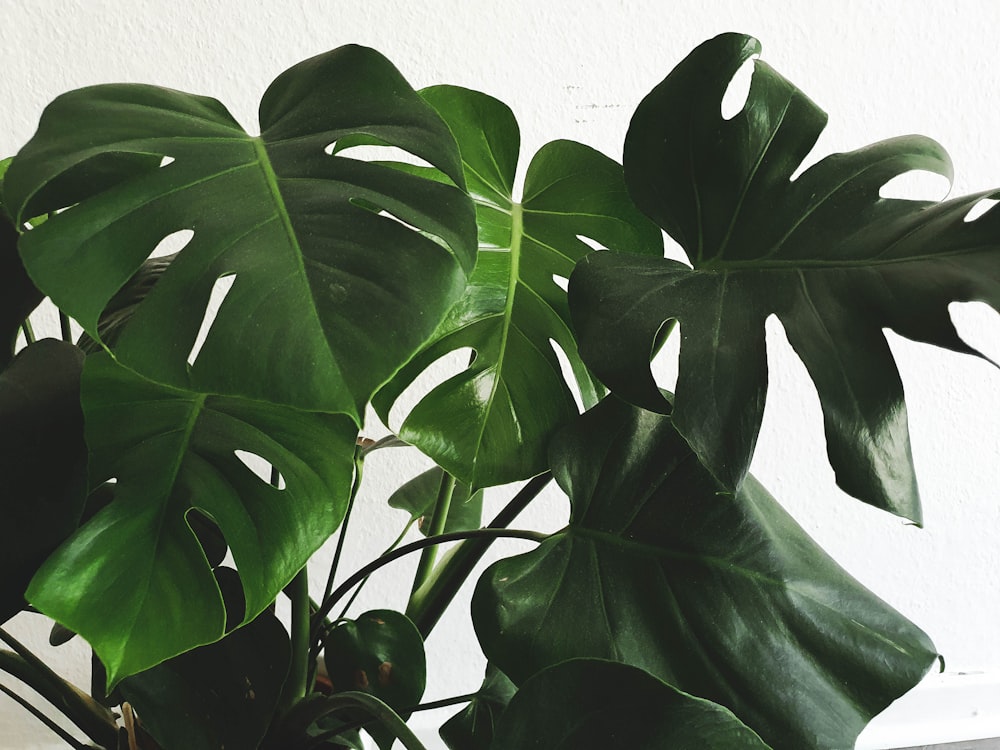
[[163, 487]]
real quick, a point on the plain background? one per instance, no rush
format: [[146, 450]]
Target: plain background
[[577, 70]]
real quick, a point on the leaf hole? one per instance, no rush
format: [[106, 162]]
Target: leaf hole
[[220, 290], [561, 281], [568, 376], [916, 185], [980, 209], [665, 362], [374, 153], [444, 367], [172, 243], [385, 214], [166, 160], [590, 242], [263, 468], [738, 91]]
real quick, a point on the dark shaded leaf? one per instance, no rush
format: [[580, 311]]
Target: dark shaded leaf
[[490, 424], [327, 285], [722, 596], [134, 581], [474, 727], [218, 696], [18, 295], [418, 496], [831, 259], [43, 462], [587, 704], [380, 653]]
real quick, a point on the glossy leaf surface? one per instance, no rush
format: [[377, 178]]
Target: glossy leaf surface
[[43, 462], [336, 293], [834, 261], [588, 704], [722, 596], [217, 696], [475, 726], [418, 496], [134, 580], [490, 424]]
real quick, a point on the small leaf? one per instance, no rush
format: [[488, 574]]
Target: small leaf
[[418, 496], [380, 653], [722, 596], [218, 696], [587, 704], [474, 727]]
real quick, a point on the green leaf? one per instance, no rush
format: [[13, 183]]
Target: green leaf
[[338, 294], [217, 696], [418, 496], [380, 653], [134, 581], [722, 596], [823, 252], [490, 424], [588, 704], [43, 462], [474, 727]]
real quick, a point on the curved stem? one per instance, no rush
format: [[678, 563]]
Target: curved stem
[[438, 521], [359, 465], [406, 549], [55, 728], [429, 603], [360, 587], [371, 705]]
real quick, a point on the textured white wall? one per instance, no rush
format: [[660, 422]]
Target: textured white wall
[[576, 70]]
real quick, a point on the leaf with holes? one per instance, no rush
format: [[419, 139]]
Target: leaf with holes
[[418, 496], [490, 423], [590, 703], [722, 596], [823, 252], [342, 267], [134, 581]]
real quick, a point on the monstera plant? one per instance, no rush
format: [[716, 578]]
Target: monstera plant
[[169, 472]]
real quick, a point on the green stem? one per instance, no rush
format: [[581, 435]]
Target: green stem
[[55, 728], [29, 332], [92, 719], [358, 590], [65, 331], [372, 706], [359, 465], [406, 549], [296, 685], [438, 521], [429, 603]]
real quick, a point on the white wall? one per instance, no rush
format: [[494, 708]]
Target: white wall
[[576, 70]]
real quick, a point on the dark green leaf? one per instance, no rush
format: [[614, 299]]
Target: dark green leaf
[[336, 293], [588, 704], [723, 596], [474, 727], [18, 295], [43, 462], [134, 581], [823, 252], [418, 496], [490, 423], [380, 653], [217, 696]]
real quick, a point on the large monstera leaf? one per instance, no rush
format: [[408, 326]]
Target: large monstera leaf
[[342, 267], [722, 596], [134, 580], [490, 423], [834, 261]]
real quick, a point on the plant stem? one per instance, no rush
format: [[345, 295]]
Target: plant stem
[[396, 543], [359, 465], [420, 544], [429, 603], [91, 718], [29, 332], [438, 521], [63, 734], [296, 684], [372, 706], [65, 331]]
